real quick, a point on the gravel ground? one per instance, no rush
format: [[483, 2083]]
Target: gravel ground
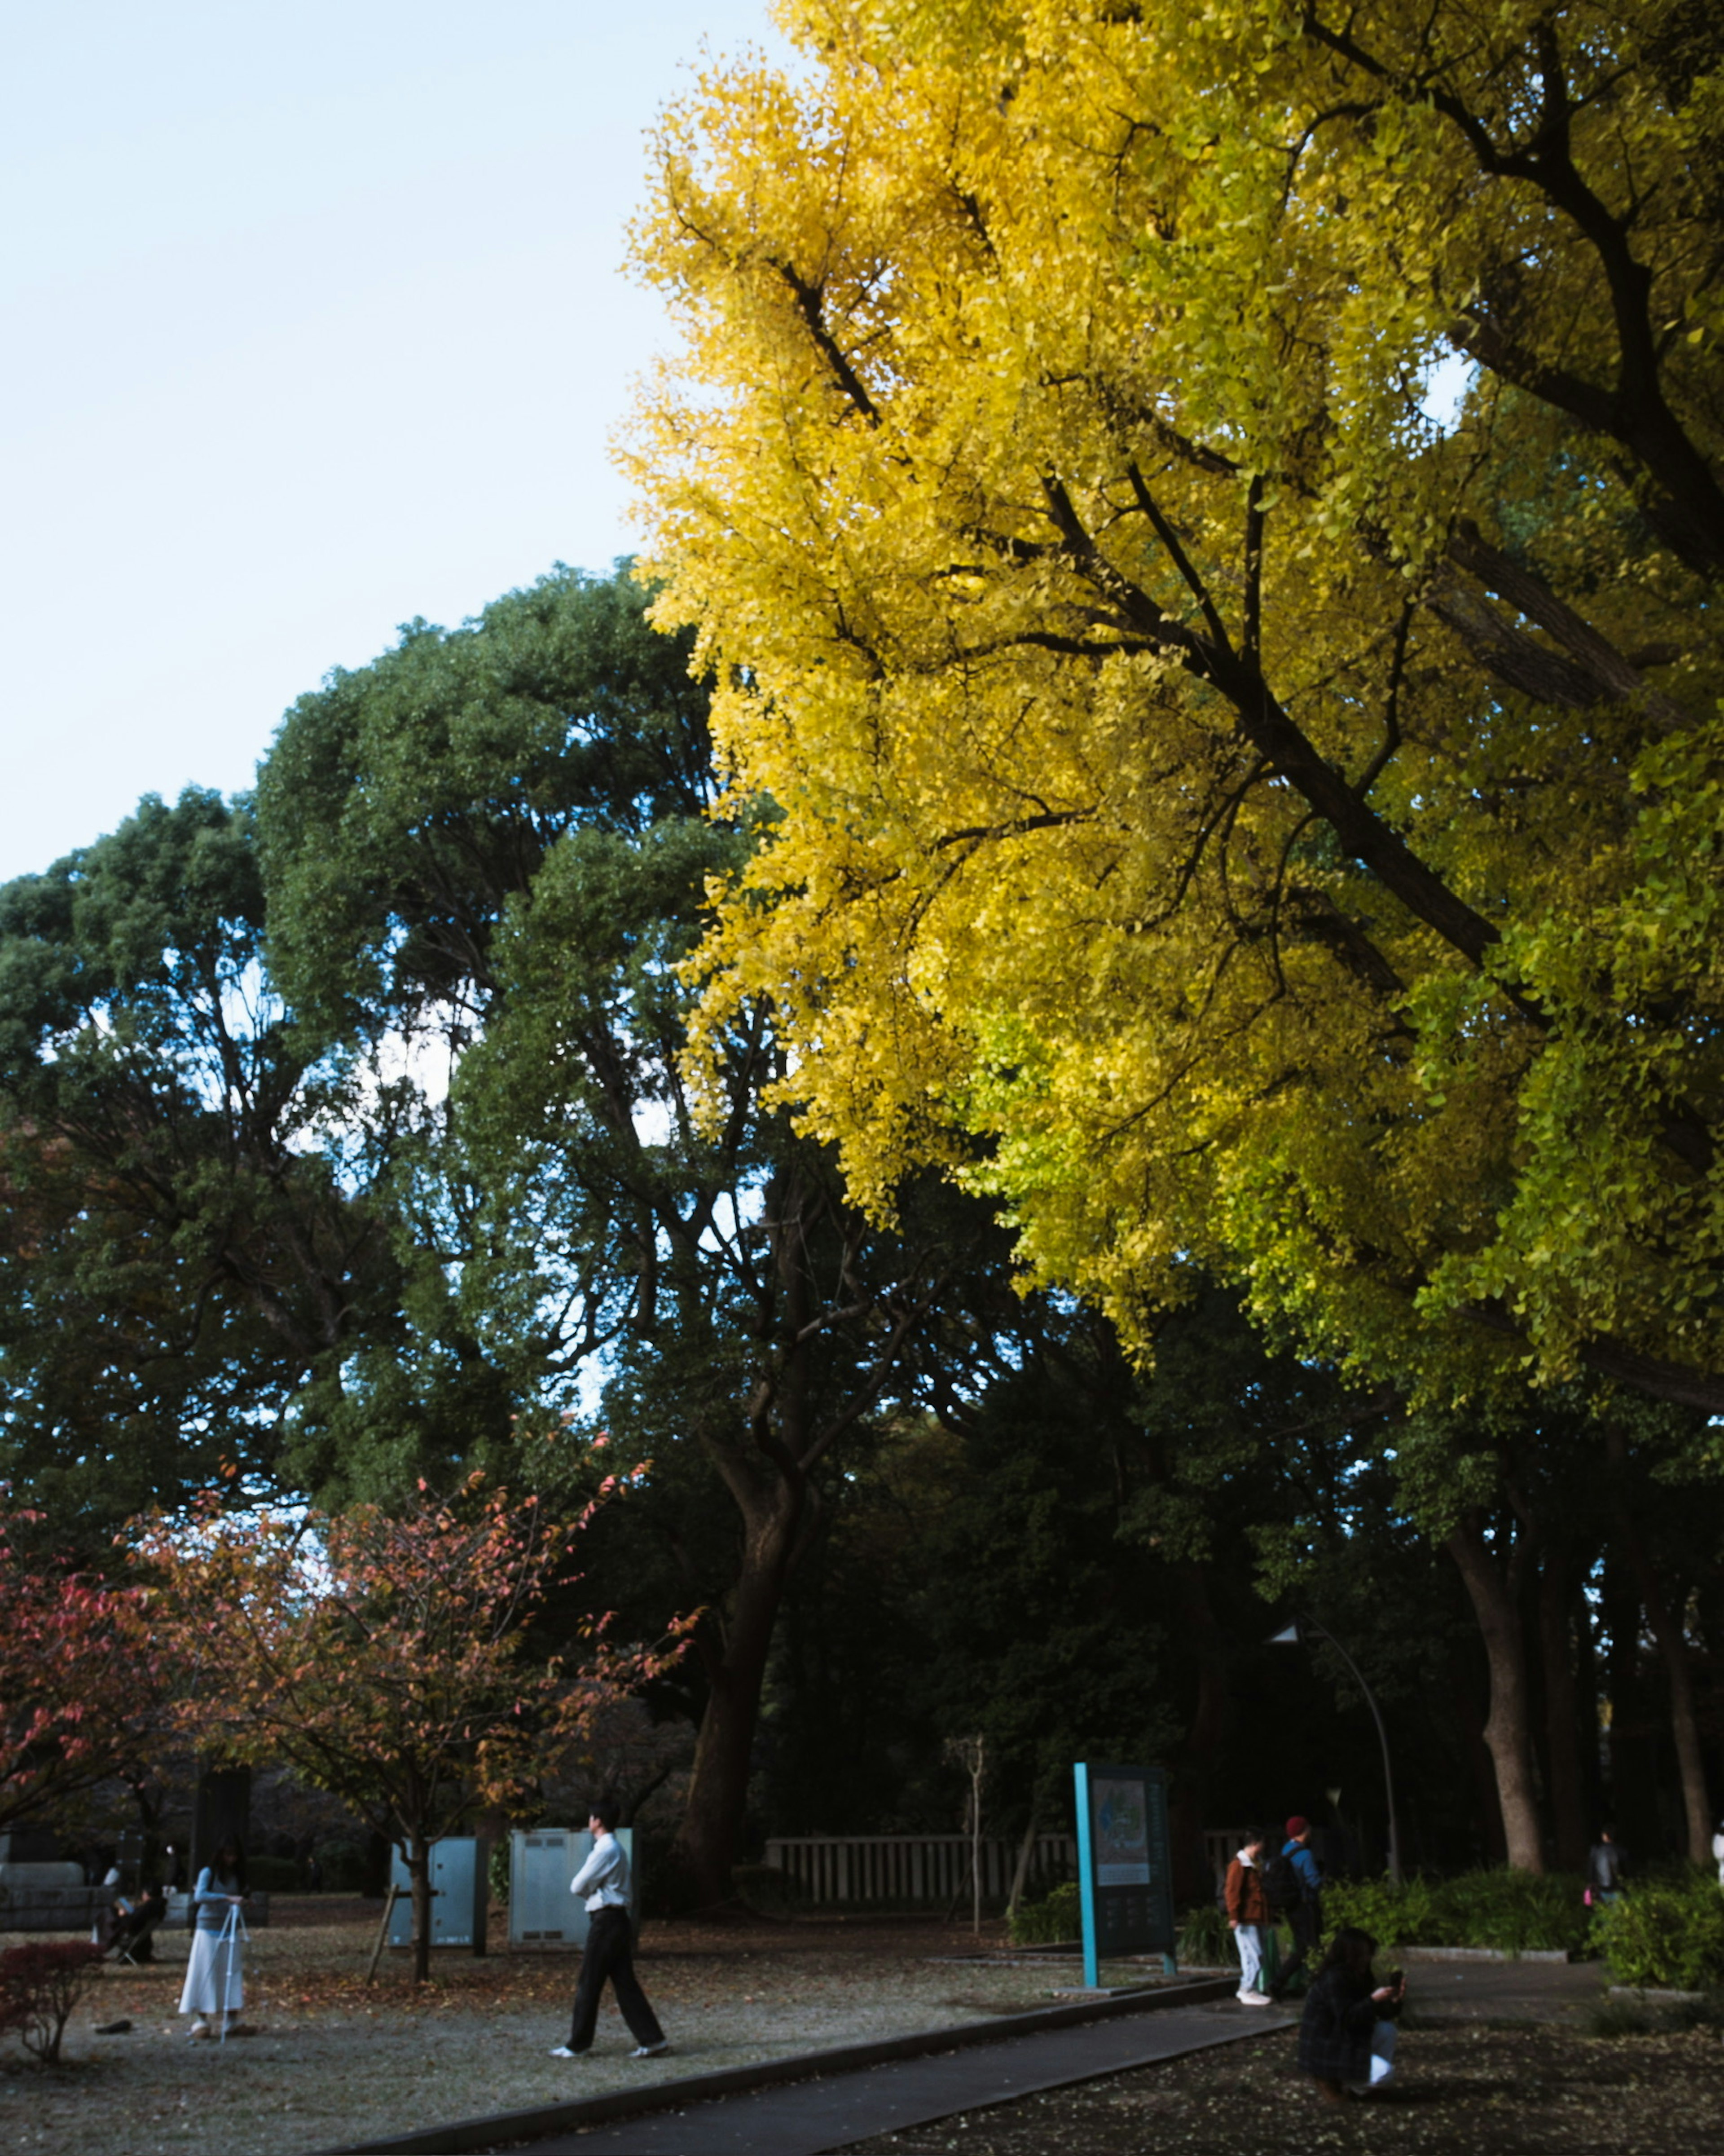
[[1479, 2090], [337, 2060]]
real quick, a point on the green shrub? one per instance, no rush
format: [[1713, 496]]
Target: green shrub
[[1394, 1915], [1665, 1938], [1056, 1917], [1205, 1938], [1515, 1911]]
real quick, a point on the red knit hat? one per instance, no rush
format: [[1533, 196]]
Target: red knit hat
[[1297, 1827]]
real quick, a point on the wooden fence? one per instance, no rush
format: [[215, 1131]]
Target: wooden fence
[[913, 1870], [1221, 1844]]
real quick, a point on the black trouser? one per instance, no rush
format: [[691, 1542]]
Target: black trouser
[[610, 1953], [1306, 1918]]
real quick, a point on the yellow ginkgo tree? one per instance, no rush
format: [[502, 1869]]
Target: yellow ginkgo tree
[[1209, 524]]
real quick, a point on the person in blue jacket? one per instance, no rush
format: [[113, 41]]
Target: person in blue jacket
[[1307, 1913]]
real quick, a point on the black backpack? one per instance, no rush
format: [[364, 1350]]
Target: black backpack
[[1281, 1883]]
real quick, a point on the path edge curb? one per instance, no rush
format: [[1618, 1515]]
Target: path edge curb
[[470, 2134]]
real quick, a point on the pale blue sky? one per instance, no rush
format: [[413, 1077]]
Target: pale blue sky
[[312, 321]]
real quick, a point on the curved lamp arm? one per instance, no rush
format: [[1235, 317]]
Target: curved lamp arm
[[1292, 1636]]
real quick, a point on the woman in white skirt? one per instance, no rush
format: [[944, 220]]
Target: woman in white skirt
[[214, 1978]]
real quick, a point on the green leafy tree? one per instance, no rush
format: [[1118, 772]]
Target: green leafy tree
[[177, 1250], [488, 855]]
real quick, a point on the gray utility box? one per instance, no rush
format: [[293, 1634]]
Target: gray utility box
[[460, 1894], [542, 1913]]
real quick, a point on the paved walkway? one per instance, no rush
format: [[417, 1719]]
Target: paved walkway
[[810, 2117], [835, 2109], [1443, 1990]]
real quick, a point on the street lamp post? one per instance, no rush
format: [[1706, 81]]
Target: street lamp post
[[1292, 1636]]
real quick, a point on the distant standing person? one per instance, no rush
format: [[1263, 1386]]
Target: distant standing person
[[602, 1880], [1248, 1914], [1718, 1851], [1607, 1866], [215, 1982], [1302, 1897]]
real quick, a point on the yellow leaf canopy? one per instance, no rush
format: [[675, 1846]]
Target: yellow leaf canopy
[[1208, 523]]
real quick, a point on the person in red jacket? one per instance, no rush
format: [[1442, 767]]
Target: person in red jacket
[[1248, 1914]]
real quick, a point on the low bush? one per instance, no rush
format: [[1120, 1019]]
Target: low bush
[[1666, 1937], [1056, 1917], [1515, 1911], [40, 1984], [1205, 1939], [1394, 1915]]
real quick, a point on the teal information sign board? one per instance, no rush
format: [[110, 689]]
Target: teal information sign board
[[1125, 1869]]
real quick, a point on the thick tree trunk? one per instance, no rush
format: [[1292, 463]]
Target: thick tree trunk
[[1508, 1731], [1481, 1768], [418, 1872], [1561, 1712], [1684, 1722], [734, 1657], [1673, 1651]]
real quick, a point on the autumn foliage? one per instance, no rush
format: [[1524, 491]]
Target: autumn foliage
[[1220, 800], [80, 1679], [386, 1656], [41, 1982]]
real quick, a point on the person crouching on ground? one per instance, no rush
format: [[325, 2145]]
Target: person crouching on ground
[[214, 1982], [602, 1880], [1347, 2039], [1248, 1914]]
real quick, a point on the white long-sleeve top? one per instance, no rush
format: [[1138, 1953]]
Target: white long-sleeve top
[[603, 1878]]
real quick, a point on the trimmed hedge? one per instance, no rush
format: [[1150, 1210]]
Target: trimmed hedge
[[1514, 1911]]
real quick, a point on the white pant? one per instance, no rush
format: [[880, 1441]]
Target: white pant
[[1382, 2055], [214, 1978], [1248, 1938]]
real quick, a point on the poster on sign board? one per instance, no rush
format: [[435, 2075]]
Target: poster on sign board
[[1125, 1870]]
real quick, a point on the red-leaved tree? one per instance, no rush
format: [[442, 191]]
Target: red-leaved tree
[[80, 1680], [386, 1656]]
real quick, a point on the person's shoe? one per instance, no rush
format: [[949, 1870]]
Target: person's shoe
[[199, 2029], [1255, 1999], [563, 2051], [1333, 2092], [650, 2051]]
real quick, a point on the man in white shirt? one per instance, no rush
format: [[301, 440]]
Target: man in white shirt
[[602, 1881]]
